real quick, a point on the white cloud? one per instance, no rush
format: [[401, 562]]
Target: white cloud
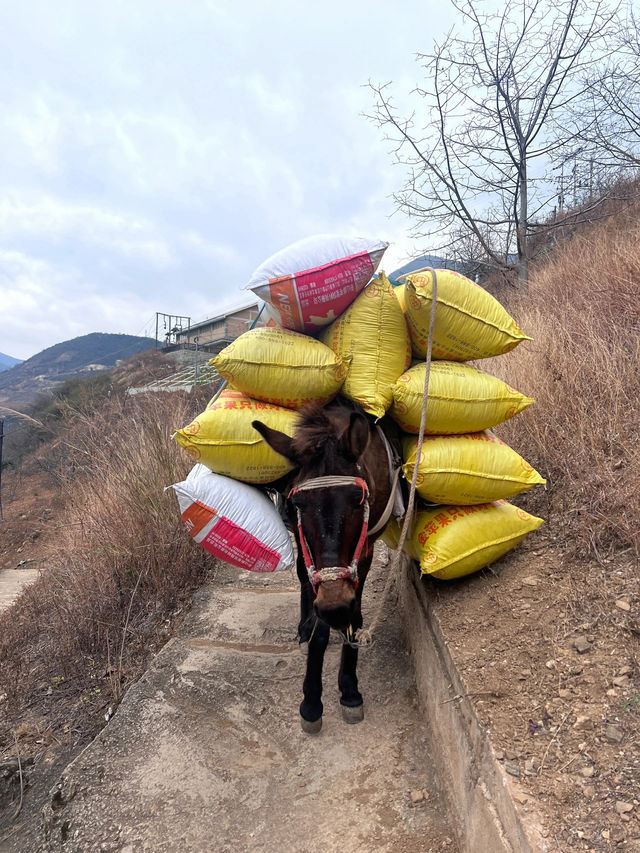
[[35, 291], [53, 221], [155, 153]]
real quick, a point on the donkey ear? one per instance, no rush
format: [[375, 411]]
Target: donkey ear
[[278, 441], [356, 436]]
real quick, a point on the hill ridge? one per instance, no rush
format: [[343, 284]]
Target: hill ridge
[[87, 354]]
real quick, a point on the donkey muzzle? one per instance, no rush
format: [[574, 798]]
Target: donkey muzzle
[[335, 603]]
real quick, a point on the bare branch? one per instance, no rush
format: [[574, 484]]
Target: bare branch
[[479, 167]]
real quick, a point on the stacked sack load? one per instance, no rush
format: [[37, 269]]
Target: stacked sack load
[[333, 328], [464, 470], [271, 373]]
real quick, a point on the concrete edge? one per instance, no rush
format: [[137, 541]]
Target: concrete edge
[[474, 785]]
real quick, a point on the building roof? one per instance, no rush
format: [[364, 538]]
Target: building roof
[[218, 317]]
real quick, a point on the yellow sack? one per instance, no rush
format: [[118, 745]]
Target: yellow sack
[[453, 541], [400, 292], [467, 469], [223, 439], [281, 367], [373, 333], [462, 399], [469, 323]]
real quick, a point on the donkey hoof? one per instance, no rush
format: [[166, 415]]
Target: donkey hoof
[[304, 648], [353, 715], [311, 727]]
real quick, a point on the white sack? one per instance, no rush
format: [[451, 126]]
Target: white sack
[[310, 283], [234, 521]]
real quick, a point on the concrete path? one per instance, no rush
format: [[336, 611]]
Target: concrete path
[[12, 582], [205, 753]]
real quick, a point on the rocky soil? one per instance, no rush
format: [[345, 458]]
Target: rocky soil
[[549, 648]]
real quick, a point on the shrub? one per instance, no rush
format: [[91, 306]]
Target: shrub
[[583, 312], [122, 567]]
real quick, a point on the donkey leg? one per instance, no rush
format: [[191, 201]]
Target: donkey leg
[[307, 616], [350, 697], [311, 706]]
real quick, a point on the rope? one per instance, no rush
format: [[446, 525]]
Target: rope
[[364, 636], [327, 483], [386, 515]]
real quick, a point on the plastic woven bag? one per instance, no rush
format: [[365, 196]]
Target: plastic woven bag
[[372, 336], [310, 283], [223, 439], [281, 367], [234, 522]]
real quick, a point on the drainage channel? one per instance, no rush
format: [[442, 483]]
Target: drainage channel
[[205, 753]]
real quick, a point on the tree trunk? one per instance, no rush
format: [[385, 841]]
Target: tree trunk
[[523, 248]]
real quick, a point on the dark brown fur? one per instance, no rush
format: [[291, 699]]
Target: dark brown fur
[[338, 439]]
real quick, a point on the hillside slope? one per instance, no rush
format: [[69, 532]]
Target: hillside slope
[[87, 354]]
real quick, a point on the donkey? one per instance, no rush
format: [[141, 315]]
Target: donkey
[[341, 497]]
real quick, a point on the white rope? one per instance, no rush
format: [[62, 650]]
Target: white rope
[[364, 636], [327, 482], [386, 515]]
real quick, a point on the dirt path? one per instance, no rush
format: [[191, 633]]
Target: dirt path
[[30, 501], [206, 752], [12, 582]]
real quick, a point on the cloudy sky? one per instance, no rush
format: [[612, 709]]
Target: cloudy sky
[[154, 152]]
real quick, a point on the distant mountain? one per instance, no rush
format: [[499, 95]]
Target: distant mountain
[[8, 361], [81, 356]]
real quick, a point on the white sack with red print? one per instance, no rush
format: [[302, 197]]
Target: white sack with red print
[[310, 283], [234, 521]]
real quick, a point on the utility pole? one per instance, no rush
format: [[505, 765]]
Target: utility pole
[[168, 320], [1, 437]]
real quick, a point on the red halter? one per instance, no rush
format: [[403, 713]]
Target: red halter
[[349, 572]]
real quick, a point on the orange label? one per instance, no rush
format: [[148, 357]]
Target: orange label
[[195, 516], [284, 299]]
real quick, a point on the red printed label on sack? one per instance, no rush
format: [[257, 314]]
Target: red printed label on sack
[[230, 399], [318, 296], [193, 451], [234, 545]]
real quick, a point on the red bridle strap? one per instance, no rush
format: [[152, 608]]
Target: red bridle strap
[[349, 572]]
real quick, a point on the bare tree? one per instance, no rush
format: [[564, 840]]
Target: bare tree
[[477, 151], [610, 141]]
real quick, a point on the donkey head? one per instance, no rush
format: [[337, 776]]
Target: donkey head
[[328, 503]]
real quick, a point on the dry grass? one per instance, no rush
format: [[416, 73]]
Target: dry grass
[[120, 572], [583, 312]]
